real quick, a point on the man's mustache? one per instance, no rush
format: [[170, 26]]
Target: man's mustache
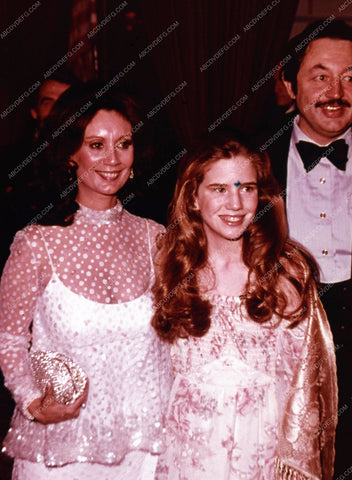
[[333, 103]]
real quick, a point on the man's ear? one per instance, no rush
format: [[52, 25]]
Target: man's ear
[[289, 89], [34, 113]]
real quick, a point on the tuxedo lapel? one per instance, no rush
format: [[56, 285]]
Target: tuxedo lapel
[[278, 153], [277, 144]]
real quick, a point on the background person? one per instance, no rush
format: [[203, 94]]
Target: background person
[[19, 163], [50, 90], [78, 283]]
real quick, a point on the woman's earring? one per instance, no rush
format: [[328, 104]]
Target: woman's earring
[[131, 174], [71, 170], [70, 174]]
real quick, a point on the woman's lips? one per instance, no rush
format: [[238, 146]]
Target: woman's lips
[[108, 175]]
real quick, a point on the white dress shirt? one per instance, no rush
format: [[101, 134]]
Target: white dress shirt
[[319, 209]]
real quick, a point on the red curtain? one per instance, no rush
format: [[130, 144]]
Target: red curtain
[[84, 20], [223, 54]]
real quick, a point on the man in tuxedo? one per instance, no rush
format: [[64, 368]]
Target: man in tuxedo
[[311, 154]]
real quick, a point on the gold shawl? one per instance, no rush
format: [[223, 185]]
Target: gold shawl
[[306, 440]]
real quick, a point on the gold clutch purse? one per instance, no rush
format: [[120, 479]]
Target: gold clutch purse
[[66, 377]]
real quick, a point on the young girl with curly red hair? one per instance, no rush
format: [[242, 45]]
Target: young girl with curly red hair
[[255, 389]]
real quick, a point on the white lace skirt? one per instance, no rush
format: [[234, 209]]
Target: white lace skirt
[[135, 466]]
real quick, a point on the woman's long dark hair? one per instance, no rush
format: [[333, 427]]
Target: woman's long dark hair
[[180, 310], [63, 135]]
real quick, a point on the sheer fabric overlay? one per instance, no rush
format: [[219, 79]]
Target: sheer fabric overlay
[[239, 405], [83, 290]]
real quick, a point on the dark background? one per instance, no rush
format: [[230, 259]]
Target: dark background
[[217, 50]]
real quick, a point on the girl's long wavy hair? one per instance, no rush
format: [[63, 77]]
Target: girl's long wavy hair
[[180, 310], [63, 135]]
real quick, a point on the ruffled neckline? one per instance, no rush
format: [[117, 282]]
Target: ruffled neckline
[[222, 299], [100, 217]]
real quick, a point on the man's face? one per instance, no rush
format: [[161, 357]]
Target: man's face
[[324, 89], [49, 92]]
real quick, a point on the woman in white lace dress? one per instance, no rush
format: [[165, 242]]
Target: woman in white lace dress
[[255, 391], [78, 282]]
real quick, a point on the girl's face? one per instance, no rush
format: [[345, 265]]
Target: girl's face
[[228, 199], [104, 159]]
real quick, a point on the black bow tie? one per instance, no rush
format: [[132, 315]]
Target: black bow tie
[[311, 154]]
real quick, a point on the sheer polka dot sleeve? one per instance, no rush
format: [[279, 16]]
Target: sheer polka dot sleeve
[[155, 230], [18, 293]]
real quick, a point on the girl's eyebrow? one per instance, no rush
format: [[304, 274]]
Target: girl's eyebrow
[[227, 184]]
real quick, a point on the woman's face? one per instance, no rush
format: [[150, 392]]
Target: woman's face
[[104, 159], [227, 199]]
